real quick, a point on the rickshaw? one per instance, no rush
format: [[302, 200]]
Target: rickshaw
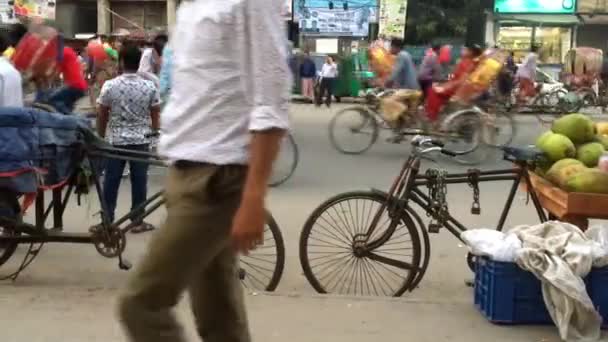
[[462, 125], [582, 74], [42, 152]]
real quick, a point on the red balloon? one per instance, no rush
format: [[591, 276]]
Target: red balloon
[[96, 51]]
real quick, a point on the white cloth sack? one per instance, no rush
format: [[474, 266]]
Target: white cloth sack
[[599, 236], [559, 254], [491, 243]]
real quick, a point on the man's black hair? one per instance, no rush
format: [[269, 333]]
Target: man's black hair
[[436, 48], [16, 33], [397, 43], [130, 55], [159, 43], [476, 50]]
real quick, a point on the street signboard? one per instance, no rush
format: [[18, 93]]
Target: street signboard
[[535, 6], [335, 18]]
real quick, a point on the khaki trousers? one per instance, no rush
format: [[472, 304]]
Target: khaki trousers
[[191, 252]]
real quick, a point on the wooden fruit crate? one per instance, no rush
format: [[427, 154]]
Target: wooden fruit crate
[[573, 207]]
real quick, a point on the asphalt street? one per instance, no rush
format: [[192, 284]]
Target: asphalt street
[[322, 172]]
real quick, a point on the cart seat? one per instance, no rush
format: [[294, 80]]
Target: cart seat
[[522, 154]]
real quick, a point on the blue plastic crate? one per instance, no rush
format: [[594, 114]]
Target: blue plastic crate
[[597, 287], [506, 294]]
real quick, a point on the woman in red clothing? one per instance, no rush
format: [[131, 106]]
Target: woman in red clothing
[[439, 94]]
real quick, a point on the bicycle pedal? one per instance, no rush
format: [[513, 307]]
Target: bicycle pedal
[[434, 228]]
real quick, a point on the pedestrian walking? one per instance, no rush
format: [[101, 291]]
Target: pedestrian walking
[[308, 72], [129, 107], [221, 131], [328, 76]]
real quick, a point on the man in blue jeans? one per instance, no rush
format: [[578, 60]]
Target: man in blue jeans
[[129, 105]]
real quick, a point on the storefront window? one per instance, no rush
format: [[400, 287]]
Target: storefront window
[[517, 39], [554, 43]]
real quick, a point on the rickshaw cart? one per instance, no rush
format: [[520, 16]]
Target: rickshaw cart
[[42, 151], [571, 207], [582, 74]]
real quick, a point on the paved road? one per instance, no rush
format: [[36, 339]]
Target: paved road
[[323, 172]]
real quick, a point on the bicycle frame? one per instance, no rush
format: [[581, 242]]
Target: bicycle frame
[[406, 190], [38, 233]]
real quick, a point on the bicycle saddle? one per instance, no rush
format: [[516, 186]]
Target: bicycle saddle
[[522, 154]]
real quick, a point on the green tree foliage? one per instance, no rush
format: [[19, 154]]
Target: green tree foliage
[[429, 20]]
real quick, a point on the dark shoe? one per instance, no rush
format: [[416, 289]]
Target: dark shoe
[[142, 228]]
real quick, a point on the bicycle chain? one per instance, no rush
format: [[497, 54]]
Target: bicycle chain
[[474, 184], [438, 210]]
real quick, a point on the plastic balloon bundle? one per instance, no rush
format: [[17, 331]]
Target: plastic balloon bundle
[[36, 54], [381, 62], [480, 80]]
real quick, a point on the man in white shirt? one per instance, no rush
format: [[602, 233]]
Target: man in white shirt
[[11, 89], [328, 73], [221, 131]]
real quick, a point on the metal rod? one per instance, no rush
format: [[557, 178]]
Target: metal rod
[[50, 237]]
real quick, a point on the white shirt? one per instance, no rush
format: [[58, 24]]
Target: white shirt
[[146, 63], [11, 91], [329, 70], [528, 68], [230, 77]]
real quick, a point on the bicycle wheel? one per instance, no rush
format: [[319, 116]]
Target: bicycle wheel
[[286, 163], [353, 130], [499, 130], [335, 251], [262, 269], [9, 209]]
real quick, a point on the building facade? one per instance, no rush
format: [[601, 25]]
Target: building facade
[[108, 16]]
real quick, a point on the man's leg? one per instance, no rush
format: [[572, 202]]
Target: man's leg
[[217, 301], [201, 202], [322, 90], [139, 182], [330, 91], [111, 185]]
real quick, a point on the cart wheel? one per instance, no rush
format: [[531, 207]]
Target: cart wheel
[[10, 213]]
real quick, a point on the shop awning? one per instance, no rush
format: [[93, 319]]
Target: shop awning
[[564, 19], [594, 18]]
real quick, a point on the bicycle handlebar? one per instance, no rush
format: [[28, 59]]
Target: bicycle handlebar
[[432, 145]]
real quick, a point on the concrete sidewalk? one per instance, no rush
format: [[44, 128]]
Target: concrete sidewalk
[[35, 314]]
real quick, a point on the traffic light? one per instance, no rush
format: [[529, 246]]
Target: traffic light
[[331, 5], [345, 5]]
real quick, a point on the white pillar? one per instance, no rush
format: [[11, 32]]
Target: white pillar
[[171, 13], [104, 17]]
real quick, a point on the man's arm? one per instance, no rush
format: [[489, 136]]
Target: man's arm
[[103, 109], [103, 116], [155, 110], [266, 77]]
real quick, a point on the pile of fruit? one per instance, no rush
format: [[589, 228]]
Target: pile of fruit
[[575, 148]]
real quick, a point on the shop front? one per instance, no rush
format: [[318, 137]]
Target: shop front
[[517, 25]]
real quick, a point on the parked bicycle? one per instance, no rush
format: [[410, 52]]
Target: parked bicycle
[[375, 243], [260, 270]]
